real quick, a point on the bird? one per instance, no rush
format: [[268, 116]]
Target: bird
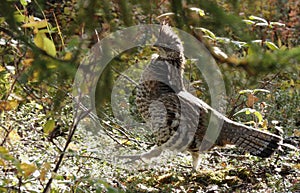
[[179, 120]]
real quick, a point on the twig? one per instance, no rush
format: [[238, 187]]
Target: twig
[[16, 80], [19, 184], [84, 156], [42, 11], [59, 149], [6, 134], [127, 77], [11, 87], [76, 120], [122, 130], [58, 29], [112, 137], [235, 107], [267, 82]]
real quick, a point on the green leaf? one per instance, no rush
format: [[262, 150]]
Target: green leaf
[[261, 24], [223, 40], [45, 43], [19, 17], [207, 32], [165, 15], [23, 2], [51, 31], [49, 47], [259, 116], [3, 150], [252, 17], [239, 43], [36, 24], [250, 123], [38, 40], [249, 22], [4, 154], [198, 10], [246, 91], [257, 41], [247, 111], [49, 126], [271, 45], [260, 90], [208, 37], [277, 24]]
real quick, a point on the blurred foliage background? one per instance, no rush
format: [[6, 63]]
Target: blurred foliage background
[[42, 42]]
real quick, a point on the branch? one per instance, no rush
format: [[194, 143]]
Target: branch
[[76, 120], [7, 132], [127, 77]]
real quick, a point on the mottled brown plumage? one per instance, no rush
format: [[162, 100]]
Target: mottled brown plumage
[[178, 119]]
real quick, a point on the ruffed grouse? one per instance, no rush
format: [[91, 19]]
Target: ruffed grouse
[[180, 120]]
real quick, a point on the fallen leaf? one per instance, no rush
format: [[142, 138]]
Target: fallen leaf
[[8, 105], [251, 100], [165, 177], [27, 169], [14, 136], [44, 170]]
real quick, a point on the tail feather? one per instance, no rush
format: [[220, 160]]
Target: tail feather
[[254, 141]]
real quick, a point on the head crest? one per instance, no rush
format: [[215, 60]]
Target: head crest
[[168, 39]]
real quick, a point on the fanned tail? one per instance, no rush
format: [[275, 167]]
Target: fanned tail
[[254, 141]]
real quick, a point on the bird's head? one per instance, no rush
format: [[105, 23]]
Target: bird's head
[[168, 43]]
